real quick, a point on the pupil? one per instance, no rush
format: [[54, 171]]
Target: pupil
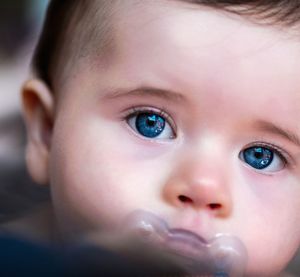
[[151, 122], [150, 125], [258, 155]]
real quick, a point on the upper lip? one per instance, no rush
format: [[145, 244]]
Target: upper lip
[[187, 236], [187, 243]]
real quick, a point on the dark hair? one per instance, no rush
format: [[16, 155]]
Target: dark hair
[[68, 23], [282, 12], [67, 27]]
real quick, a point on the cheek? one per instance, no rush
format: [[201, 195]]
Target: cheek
[[270, 221], [99, 179], [271, 247]]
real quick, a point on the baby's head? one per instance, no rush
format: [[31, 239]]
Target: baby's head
[[187, 109]]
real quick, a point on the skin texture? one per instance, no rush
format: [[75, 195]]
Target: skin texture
[[223, 75]]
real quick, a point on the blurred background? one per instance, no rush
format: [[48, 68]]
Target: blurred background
[[20, 24]]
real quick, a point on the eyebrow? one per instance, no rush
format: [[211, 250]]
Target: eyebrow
[[274, 129], [145, 91]]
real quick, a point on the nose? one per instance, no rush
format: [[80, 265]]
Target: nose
[[200, 186]]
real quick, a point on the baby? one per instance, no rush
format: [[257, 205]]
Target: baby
[[186, 109]]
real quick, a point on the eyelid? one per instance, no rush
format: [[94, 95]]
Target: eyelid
[[283, 155], [161, 112]]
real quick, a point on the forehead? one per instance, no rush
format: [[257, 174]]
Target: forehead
[[204, 44], [198, 31]]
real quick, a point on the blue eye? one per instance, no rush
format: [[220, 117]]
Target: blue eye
[[151, 125], [263, 158]]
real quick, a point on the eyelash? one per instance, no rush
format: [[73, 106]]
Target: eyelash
[[283, 155], [138, 110]]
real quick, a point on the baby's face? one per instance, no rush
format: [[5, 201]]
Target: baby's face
[[195, 119]]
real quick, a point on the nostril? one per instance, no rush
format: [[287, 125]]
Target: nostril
[[214, 206], [185, 199]]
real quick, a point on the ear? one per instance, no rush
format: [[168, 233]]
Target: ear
[[38, 111]]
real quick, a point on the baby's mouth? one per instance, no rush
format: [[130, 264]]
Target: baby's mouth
[[222, 255]]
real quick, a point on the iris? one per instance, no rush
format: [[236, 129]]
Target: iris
[[258, 157], [149, 124]]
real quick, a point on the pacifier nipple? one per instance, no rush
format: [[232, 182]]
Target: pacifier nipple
[[221, 256]]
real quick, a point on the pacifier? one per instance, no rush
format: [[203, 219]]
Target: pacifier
[[222, 255]]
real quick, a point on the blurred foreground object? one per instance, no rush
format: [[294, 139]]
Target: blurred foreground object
[[20, 257]]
